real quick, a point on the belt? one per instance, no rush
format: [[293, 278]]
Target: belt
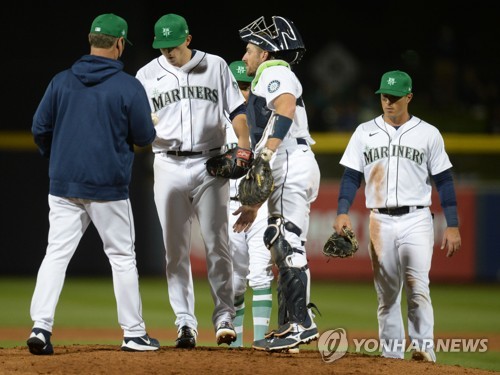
[[395, 211], [189, 153], [234, 199]]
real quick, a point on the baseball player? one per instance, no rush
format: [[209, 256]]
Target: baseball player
[[189, 93], [87, 124], [251, 259], [285, 142], [396, 153]]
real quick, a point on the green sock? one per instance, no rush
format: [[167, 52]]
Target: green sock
[[262, 302], [239, 306]]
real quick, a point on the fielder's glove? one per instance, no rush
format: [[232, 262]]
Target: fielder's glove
[[341, 246], [258, 184], [226, 164]]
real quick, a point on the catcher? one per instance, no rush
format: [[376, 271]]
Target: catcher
[[282, 147]]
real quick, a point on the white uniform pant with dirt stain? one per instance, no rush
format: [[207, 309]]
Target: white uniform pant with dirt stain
[[183, 192], [69, 218], [401, 253]]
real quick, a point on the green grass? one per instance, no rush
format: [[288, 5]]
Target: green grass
[[467, 310]]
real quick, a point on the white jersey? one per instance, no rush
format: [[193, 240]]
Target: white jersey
[[274, 81], [396, 163], [196, 96]]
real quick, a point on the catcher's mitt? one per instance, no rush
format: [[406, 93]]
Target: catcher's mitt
[[341, 246], [258, 184], [226, 164]]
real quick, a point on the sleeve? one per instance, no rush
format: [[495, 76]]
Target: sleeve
[[353, 154], [142, 128], [233, 98], [447, 196], [42, 127], [278, 80], [349, 185], [438, 160]]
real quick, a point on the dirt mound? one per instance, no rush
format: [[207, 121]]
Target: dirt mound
[[109, 360]]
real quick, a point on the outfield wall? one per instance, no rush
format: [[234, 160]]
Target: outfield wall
[[476, 260], [24, 228]]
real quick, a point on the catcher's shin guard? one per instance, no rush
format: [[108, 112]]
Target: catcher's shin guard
[[292, 280], [293, 284], [282, 311]]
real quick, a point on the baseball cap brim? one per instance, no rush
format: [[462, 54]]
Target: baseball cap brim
[[391, 92], [168, 43]]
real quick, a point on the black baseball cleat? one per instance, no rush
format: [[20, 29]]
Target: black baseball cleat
[[288, 339], [225, 333], [140, 344], [39, 342], [186, 338]]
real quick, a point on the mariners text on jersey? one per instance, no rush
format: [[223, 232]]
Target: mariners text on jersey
[[160, 100], [376, 153]]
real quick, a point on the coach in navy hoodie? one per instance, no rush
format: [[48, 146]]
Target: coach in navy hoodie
[[87, 124]]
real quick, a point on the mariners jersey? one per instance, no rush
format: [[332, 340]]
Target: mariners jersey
[[190, 101], [272, 82], [396, 163]]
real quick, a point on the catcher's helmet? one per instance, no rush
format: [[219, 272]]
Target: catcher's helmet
[[282, 38]]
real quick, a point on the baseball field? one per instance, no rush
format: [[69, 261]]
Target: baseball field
[[86, 334]]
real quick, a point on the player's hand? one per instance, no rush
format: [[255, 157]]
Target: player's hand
[[247, 217], [341, 221], [451, 240]]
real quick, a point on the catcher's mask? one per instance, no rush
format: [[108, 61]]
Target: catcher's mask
[[282, 38]]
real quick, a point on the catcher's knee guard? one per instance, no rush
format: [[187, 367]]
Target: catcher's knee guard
[[274, 239]]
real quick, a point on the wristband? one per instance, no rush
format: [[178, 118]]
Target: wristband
[[281, 126], [266, 154]]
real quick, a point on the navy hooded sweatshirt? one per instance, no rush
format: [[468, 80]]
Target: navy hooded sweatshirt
[[87, 124]]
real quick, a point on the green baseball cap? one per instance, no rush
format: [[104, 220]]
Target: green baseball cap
[[171, 30], [239, 71], [110, 24], [395, 83]]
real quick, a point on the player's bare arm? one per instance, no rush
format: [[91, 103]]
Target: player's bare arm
[[241, 130], [285, 105]]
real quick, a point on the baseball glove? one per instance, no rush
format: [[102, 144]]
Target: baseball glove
[[341, 246], [226, 164], [258, 184]]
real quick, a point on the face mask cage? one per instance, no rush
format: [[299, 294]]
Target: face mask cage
[[260, 34], [282, 38]]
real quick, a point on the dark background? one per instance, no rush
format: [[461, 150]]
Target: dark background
[[451, 52]]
